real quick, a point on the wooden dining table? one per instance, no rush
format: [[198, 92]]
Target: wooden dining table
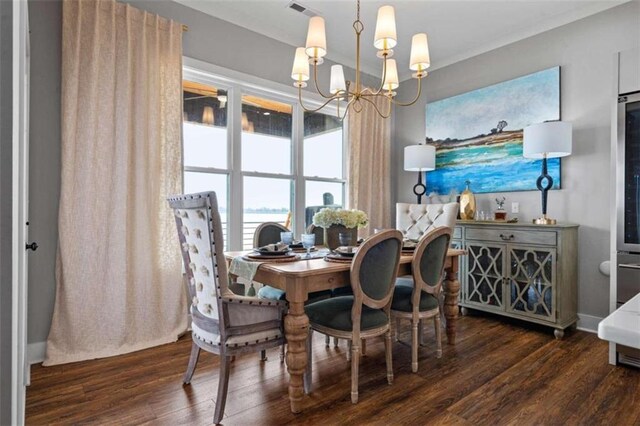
[[299, 278]]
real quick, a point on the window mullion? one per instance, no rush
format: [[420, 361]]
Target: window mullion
[[236, 182], [299, 198]]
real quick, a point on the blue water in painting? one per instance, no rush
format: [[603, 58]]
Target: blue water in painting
[[489, 168]]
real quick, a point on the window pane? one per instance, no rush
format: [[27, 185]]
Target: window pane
[[266, 135], [320, 195], [322, 145], [265, 200], [205, 125], [202, 182]]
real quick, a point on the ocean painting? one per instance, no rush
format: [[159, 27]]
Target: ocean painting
[[478, 135]]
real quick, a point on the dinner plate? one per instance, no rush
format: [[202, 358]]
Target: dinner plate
[[344, 253], [271, 253]]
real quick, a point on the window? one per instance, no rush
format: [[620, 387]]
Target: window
[[323, 163], [205, 144], [266, 159]]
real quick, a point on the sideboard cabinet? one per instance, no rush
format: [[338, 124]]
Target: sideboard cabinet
[[519, 270]]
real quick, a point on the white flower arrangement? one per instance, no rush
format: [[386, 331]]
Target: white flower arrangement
[[347, 218]]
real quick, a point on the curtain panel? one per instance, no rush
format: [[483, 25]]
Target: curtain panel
[[118, 272], [369, 164]]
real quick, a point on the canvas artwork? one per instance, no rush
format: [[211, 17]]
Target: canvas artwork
[[478, 135]]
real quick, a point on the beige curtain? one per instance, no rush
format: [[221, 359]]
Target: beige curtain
[[369, 163], [119, 284]]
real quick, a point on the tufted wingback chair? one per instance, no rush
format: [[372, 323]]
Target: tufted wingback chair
[[416, 220], [222, 322]]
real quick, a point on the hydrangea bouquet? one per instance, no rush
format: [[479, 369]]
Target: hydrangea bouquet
[[347, 218]]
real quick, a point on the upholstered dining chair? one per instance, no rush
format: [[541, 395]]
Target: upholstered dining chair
[[416, 220], [318, 232], [223, 323], [366, 313], [268, 233], [417, 297]]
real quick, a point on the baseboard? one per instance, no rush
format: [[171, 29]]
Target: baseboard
[[36, 352], [588, 323]]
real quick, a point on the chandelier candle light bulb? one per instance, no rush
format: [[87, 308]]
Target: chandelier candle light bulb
[[352, 92]]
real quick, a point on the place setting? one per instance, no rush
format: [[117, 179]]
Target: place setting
[[278, 252], [345, 252]]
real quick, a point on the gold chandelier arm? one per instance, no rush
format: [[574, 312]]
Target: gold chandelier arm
[[384, 76], [315, 80], [346, 110], [414, 100], [311, 110], [388, 114]]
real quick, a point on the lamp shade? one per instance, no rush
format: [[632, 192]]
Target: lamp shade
[[552, 138], [337, 82], [391, 80], [420, 59], [385, 35], [419, 158], [300, 71], [316, 46]]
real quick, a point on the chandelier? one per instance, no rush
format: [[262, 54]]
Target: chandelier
[[352, 93]]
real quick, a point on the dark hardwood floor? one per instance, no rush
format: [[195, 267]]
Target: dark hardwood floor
[[498, 373]]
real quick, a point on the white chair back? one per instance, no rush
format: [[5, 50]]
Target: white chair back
[[416, 220]]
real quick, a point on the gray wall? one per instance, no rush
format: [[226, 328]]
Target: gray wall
[[584, 49], [6, 188], [208, 39]]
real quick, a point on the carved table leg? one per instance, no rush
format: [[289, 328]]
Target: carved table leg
[[296, 326], [451, 292]]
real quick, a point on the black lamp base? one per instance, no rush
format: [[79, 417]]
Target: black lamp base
[[419, 188], [544, 184]]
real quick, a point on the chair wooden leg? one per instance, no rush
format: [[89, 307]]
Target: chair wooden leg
[[282, 353], [223, 386], [327, 340], [193, 360], [355, 363], [388, 355], [335, 342], [308, 372], [363, 346], [263, 355], [421, 332], [349, 345], [436, 323], [414, 345]]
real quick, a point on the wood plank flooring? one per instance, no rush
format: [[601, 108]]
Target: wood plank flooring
[[499, 372]]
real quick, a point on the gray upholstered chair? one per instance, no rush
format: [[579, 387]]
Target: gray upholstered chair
[[268, 233], [223, 323], [366, 313], [417, 297], [415, 220]]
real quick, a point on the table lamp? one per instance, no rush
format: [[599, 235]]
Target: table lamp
[[419, 158], [551, 139]]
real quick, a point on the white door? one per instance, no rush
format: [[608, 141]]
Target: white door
[[19, 371]]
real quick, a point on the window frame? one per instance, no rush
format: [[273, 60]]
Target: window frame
[[238, 84]]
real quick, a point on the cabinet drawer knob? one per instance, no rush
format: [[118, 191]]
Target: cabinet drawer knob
[[507, 237]]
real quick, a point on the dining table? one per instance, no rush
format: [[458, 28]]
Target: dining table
[[303, 276]]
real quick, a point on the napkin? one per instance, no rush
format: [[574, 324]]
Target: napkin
[[273, 247]]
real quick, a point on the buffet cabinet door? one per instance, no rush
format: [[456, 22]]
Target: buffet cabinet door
[[485, 275], [531, 283]]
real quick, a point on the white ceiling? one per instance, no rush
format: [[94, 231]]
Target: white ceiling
[[457, 29]]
